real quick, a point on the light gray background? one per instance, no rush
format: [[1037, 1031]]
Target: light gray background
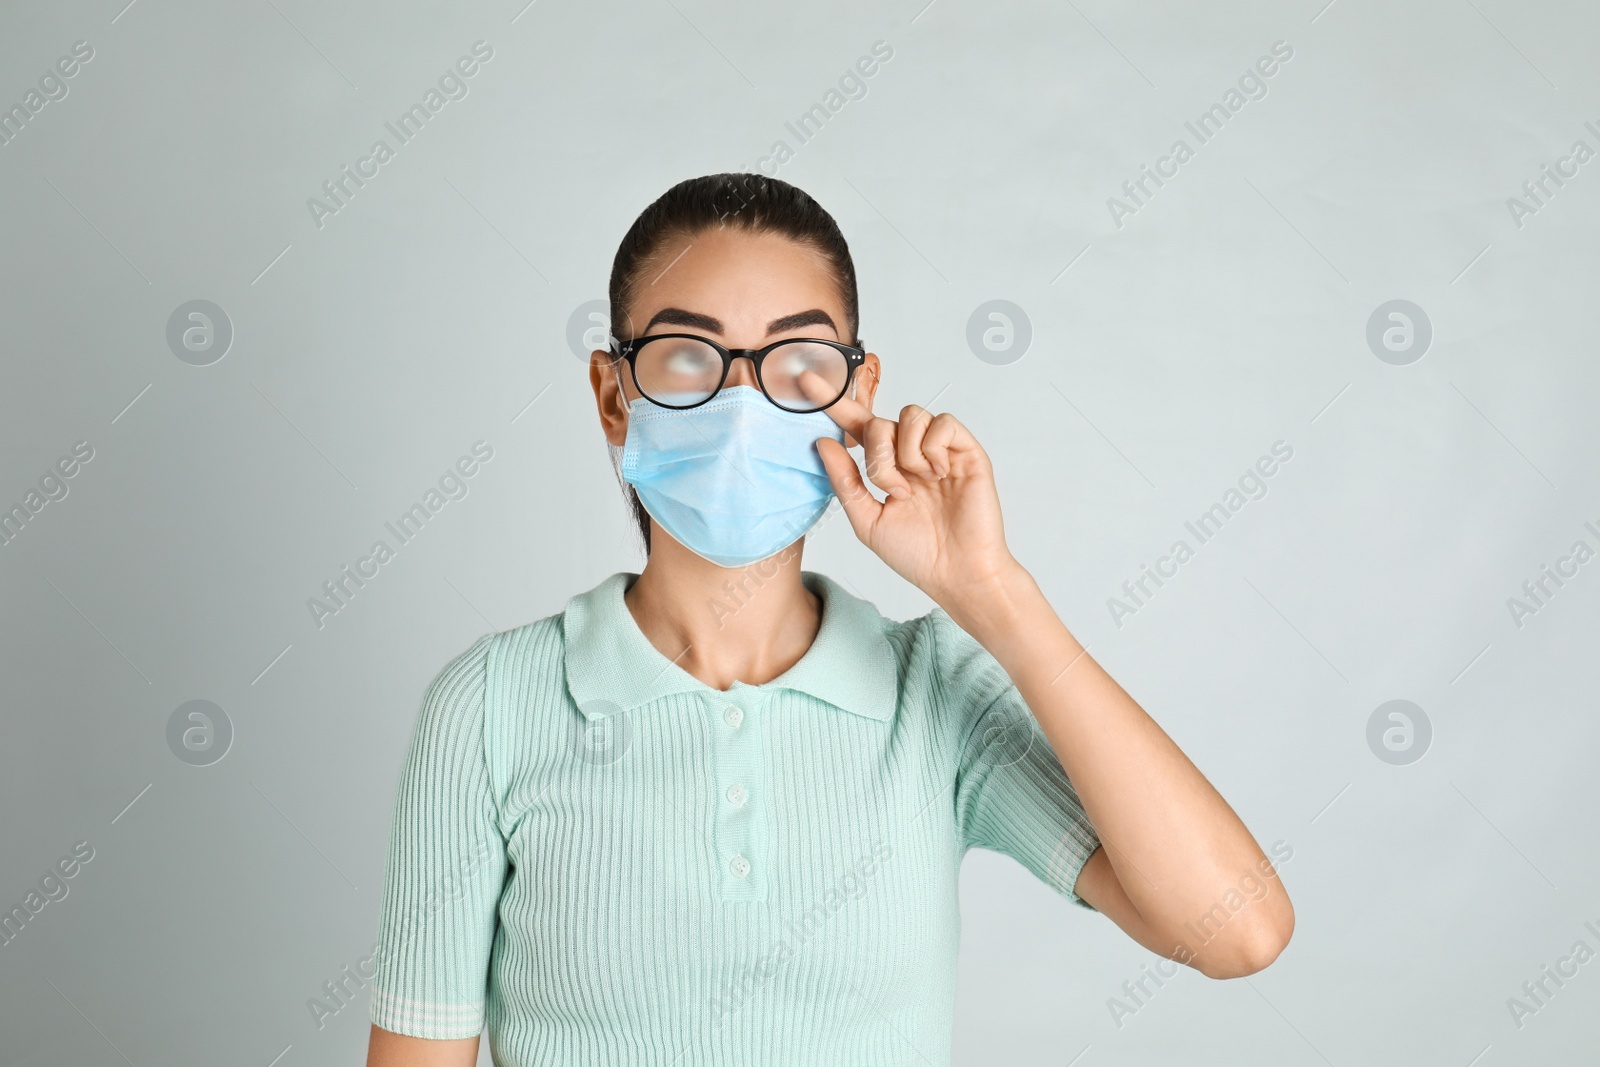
[[1168, 354]]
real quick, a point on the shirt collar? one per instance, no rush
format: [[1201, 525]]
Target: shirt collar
[[612, 667]]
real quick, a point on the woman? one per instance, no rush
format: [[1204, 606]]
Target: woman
[[714, 812]]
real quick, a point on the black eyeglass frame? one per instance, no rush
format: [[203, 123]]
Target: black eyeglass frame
[[855, 357]]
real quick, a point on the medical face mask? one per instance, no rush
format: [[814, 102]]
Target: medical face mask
[[734, 480]]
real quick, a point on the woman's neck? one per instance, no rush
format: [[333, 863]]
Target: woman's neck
[[722, 625]]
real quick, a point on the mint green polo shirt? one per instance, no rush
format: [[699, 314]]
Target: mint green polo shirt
[[606, 861]]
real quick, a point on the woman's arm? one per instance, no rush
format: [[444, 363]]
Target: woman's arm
[[444, 871], [386, 1049], [1176, 869]]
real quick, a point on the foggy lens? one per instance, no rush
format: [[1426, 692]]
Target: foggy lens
[[784, 365], [677, 371]]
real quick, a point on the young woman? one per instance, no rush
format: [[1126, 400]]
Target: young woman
[[714, 812]]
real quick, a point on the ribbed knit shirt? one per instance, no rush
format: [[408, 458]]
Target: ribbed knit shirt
[[607, 861]]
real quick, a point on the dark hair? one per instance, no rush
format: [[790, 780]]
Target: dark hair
[[753, 202]]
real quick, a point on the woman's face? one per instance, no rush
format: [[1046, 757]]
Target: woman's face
[[742, 290]]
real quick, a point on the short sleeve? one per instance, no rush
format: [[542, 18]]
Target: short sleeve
[[445, 867], [1012, 795]]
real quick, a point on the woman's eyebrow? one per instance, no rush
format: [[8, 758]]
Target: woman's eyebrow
[[814, 317], [680, 317]]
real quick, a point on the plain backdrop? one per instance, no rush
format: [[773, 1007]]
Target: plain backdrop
[[1171, 342]]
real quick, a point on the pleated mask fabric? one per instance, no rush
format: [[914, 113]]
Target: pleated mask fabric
[[734, 480]]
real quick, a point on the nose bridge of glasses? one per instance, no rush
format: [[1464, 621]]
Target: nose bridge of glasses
[[742, 373]]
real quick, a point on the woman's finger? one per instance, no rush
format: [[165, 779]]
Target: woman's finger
[[879, 457], [942, 433], [914, 421]]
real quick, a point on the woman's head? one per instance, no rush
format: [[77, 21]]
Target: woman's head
[[751, 203], [743, 259]]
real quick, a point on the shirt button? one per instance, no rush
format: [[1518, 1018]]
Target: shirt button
[[740, 866], [737, 795], [733, 716]]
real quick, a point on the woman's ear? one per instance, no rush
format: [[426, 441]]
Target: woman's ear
[[606, 379], [863, 388]]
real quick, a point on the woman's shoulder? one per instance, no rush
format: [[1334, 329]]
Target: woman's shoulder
[[495, 664], [497, 645], [492, 692], [539, 640], [534, 638], [525, 664]]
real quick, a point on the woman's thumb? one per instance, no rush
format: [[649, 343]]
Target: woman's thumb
[[859, 505]]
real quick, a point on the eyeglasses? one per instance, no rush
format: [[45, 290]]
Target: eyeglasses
[[684, 370]]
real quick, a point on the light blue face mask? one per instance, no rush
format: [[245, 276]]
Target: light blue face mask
[[734, 480]]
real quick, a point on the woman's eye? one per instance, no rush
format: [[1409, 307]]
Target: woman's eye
[[687, 361]]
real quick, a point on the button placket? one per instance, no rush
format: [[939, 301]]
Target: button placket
[[738, 768]]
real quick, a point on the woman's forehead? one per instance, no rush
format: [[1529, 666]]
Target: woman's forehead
[[743, 280]]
